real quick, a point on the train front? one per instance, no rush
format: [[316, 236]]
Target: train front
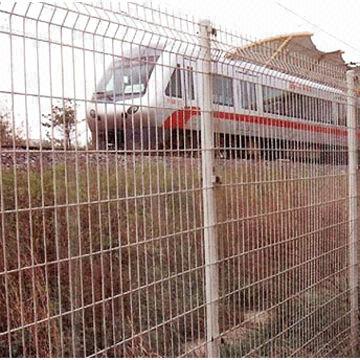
[[119, 114]]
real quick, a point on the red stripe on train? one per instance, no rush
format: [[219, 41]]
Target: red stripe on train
[[179, 118]]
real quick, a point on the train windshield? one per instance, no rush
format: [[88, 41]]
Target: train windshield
[[129, 77]]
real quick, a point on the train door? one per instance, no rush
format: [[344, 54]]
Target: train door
[[174, 91], [189, 135], [189, 83], [180, 90]]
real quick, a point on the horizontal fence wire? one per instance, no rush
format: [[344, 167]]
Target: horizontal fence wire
[[169, 188]]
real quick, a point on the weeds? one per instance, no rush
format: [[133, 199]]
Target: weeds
[[107, 258]]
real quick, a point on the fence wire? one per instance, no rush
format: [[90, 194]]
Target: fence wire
[[169, 188]]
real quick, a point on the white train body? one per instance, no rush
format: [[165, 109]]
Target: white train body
[[152, 91]]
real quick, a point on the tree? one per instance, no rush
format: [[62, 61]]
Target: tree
[[7, 135], [62, 121]]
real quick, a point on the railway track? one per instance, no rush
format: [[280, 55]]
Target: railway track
[[23, 157]]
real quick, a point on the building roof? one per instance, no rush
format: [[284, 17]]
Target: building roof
[[295, 54]]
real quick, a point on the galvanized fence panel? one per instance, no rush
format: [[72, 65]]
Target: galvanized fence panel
[[169, 188]]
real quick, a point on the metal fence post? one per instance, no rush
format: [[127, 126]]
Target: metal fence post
[[353, 213], [208, 180]]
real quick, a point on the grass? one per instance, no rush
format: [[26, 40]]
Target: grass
[[107, 258]]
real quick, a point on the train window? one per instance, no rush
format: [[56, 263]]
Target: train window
[[248, 95], [190, 83], [309, 110], [285, 103], [223, 90], [315, 109], [298, 106], [309, 106], [341, 109], [325, 111], [342, 114], [174, 88], [276, 101], [129, 75]]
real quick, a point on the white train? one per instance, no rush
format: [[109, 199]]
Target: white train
[[151, 99]]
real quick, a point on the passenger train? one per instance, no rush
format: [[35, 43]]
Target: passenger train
[[150, 98]]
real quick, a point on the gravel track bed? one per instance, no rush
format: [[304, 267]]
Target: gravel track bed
[[34, 159], [23, 160]]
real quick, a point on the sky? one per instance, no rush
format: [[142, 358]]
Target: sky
[[334, 23]]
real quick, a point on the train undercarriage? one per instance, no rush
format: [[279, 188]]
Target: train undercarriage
[[183, 142]]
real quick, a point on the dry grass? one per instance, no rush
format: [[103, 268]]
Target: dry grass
[[123, 245]]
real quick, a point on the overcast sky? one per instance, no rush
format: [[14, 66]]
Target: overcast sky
[[337, 22]]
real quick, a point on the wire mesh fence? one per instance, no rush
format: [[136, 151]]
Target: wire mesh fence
[[169, 188]]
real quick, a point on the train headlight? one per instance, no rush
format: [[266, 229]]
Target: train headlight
[[92, 113], [132, 110]]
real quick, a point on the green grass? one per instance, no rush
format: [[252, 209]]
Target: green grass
[[123, 244]]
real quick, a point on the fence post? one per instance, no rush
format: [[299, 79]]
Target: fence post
[[208, 181], [353, 213]]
